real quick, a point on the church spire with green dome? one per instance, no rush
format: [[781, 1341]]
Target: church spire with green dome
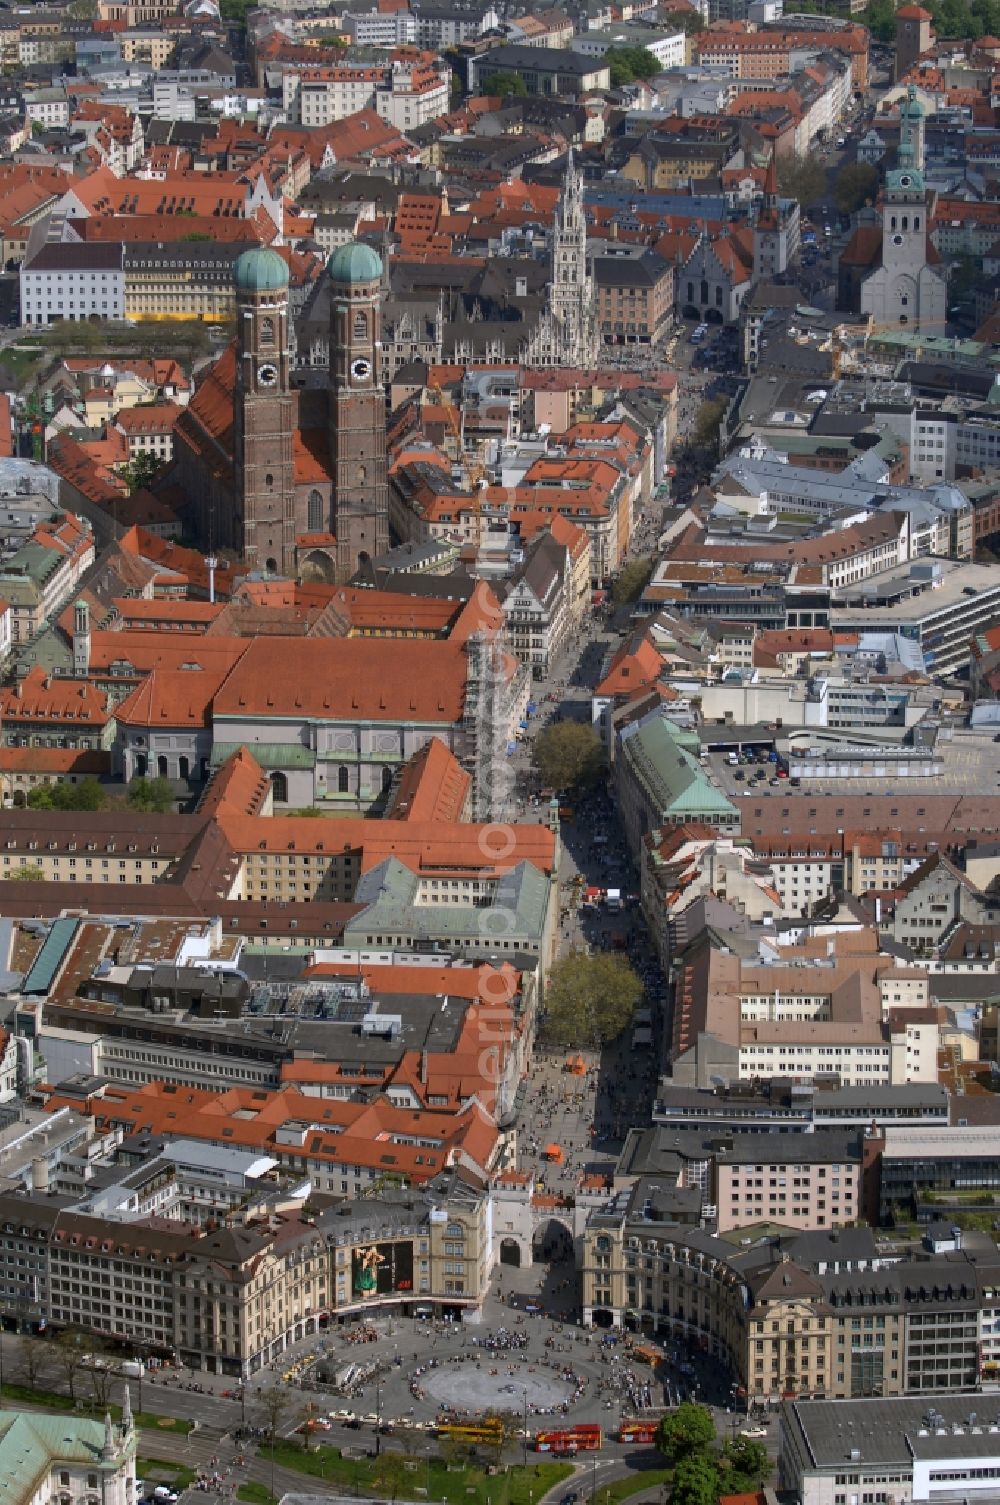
[[355, 262], [911, 133], [260, 271]]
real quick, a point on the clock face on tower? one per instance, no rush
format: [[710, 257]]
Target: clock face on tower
[[361, 369], [267, 374]]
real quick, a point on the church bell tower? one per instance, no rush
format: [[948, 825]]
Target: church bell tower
[[265, 416], [357, 408]]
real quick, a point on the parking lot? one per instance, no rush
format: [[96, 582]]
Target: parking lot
[[972, 766], [755, 772]]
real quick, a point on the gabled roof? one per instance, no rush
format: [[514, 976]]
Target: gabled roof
[[238, 785], [172, 697], [66, 702], [366, 678], [434, 786]]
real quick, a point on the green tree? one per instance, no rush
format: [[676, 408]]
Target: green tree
[[631, 581], [688, 21], [695, 1481], [964, 277], [801, 178], [155, 796], [28, 1357], [67, 1350], [568, 755], [856, 184], [746, 1463], [454, 1450], [236, 10], [141, 469], [390, 1474], [29, 873], [880, 18], [688, 1432], [590, 998], [102, 1376], [504, 85], [277, 1405], [86, 795], [705, 434], [629, 63]]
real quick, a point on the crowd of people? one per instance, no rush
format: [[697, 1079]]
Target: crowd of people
[[503, 1338]]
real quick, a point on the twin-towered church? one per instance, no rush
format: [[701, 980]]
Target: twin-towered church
[[293, 481]]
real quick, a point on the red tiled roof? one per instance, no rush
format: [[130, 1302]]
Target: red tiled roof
[[40, 697]]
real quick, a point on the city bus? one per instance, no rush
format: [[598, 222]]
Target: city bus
[[490, 1431], [637, 1431], [585, 1438]]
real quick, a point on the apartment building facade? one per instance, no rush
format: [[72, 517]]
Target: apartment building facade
[[818, 1317], [74, 282], [816, 1185], [805, 1013], [230, 1300], [39, 579], [375, 29], [635, 298], [537, 608]]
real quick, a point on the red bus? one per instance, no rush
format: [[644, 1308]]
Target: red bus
[[585, 1438], [637, 1431]]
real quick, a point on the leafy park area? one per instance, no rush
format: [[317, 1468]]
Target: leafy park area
[[38, 1399], [153, 1471], [153, 796], [401, 1478], [701, 1469], [967, 19]]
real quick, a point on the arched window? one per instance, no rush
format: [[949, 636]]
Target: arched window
[[360, 326], [892, 222], [314, 521], [916, 222], [362, 473], [343, 781], [279, 788], [906, 221], [267, 331], [269, 480]]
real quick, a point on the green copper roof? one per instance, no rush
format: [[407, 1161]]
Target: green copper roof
[[269, 755], [675, 783], [355, 263], [261, 271]]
